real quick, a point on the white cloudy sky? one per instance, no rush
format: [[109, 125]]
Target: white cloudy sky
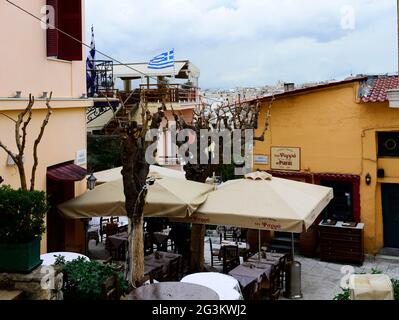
[[252, 42]]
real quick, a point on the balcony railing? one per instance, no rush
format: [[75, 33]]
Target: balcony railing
[[168, 93], [104, 82]]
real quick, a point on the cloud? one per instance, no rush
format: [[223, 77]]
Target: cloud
[[252, 42]]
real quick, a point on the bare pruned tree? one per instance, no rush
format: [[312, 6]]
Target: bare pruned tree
[[224, 116], [20, 132], [135, 171], [135, 167]]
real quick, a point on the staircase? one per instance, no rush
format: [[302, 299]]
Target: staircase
[[282, 242], [121, 118]]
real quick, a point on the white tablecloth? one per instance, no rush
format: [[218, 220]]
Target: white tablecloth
[[49, 258], [226, 286]]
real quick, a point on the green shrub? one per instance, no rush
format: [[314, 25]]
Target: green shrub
[[395, 284], [83, 279], [344, 295], [103, 152], [22, 215]]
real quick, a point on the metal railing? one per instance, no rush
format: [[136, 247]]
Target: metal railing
[[168, 93]]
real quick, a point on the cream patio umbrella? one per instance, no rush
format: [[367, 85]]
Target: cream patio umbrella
[[167, 197], [115, 173], [260, 201]]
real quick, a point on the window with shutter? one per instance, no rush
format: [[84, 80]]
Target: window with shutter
[[52, 34], [69, 20]]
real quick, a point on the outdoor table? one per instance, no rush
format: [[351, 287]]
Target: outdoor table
[[49, 258], [173, 291], [270, 258], [243, 247], [161, 239], [118, 239], [225, 286], [163, 259], [249, 272]]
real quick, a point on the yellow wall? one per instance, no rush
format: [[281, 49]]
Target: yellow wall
[[63, 137], [336, 134]]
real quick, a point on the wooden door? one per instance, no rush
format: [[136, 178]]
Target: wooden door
[[390, 212]]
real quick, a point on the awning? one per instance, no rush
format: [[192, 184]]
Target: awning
[[67, 172]]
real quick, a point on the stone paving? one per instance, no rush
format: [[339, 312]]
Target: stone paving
[[321, 280]]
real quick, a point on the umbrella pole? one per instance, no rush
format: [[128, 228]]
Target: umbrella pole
[[259, 255], [292, 245]]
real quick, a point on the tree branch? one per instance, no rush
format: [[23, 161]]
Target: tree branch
[[26, 123], [37, 141], [7, 116]]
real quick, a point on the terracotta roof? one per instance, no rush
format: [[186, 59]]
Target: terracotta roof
[[375, 88], [318, 86]]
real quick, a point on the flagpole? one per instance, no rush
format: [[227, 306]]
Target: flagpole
[[174, 65]]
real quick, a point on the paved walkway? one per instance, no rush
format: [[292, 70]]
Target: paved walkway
[[321, 280]]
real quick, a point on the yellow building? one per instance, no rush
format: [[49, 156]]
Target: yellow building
[[344, 135], [37, 60]]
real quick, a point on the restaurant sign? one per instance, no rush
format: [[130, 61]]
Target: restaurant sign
[[285, 158]]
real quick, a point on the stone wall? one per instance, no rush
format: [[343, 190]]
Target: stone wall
[[44, 283]]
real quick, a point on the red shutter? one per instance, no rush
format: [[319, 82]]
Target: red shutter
[[52, 34], [70, 21]]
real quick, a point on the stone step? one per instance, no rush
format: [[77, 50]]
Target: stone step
[[11, 294]]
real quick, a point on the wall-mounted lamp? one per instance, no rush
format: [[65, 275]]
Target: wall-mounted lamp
[[91, 182], [368, 179]]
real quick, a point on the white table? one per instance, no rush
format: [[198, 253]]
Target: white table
[[226, 286], [49, 258], [241, 245]]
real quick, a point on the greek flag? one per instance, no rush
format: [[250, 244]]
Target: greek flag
[[91, 67], [163, 60]]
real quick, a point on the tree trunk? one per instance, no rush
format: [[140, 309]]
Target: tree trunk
[[198, 173], [22, 174], [136, 254], [197, 260]]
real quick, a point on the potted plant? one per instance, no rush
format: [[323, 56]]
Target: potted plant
[[83, 280], [22, 215]]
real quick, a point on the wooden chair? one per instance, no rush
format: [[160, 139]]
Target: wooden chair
[[103, 224], [251, 291], [229, 234], [114, 220], [93, 234], [110, 289], [243, 235], [173, 273], [283, 265], [271, 286], [231, 258], [214, 252], [158, 274], [148, 244]]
